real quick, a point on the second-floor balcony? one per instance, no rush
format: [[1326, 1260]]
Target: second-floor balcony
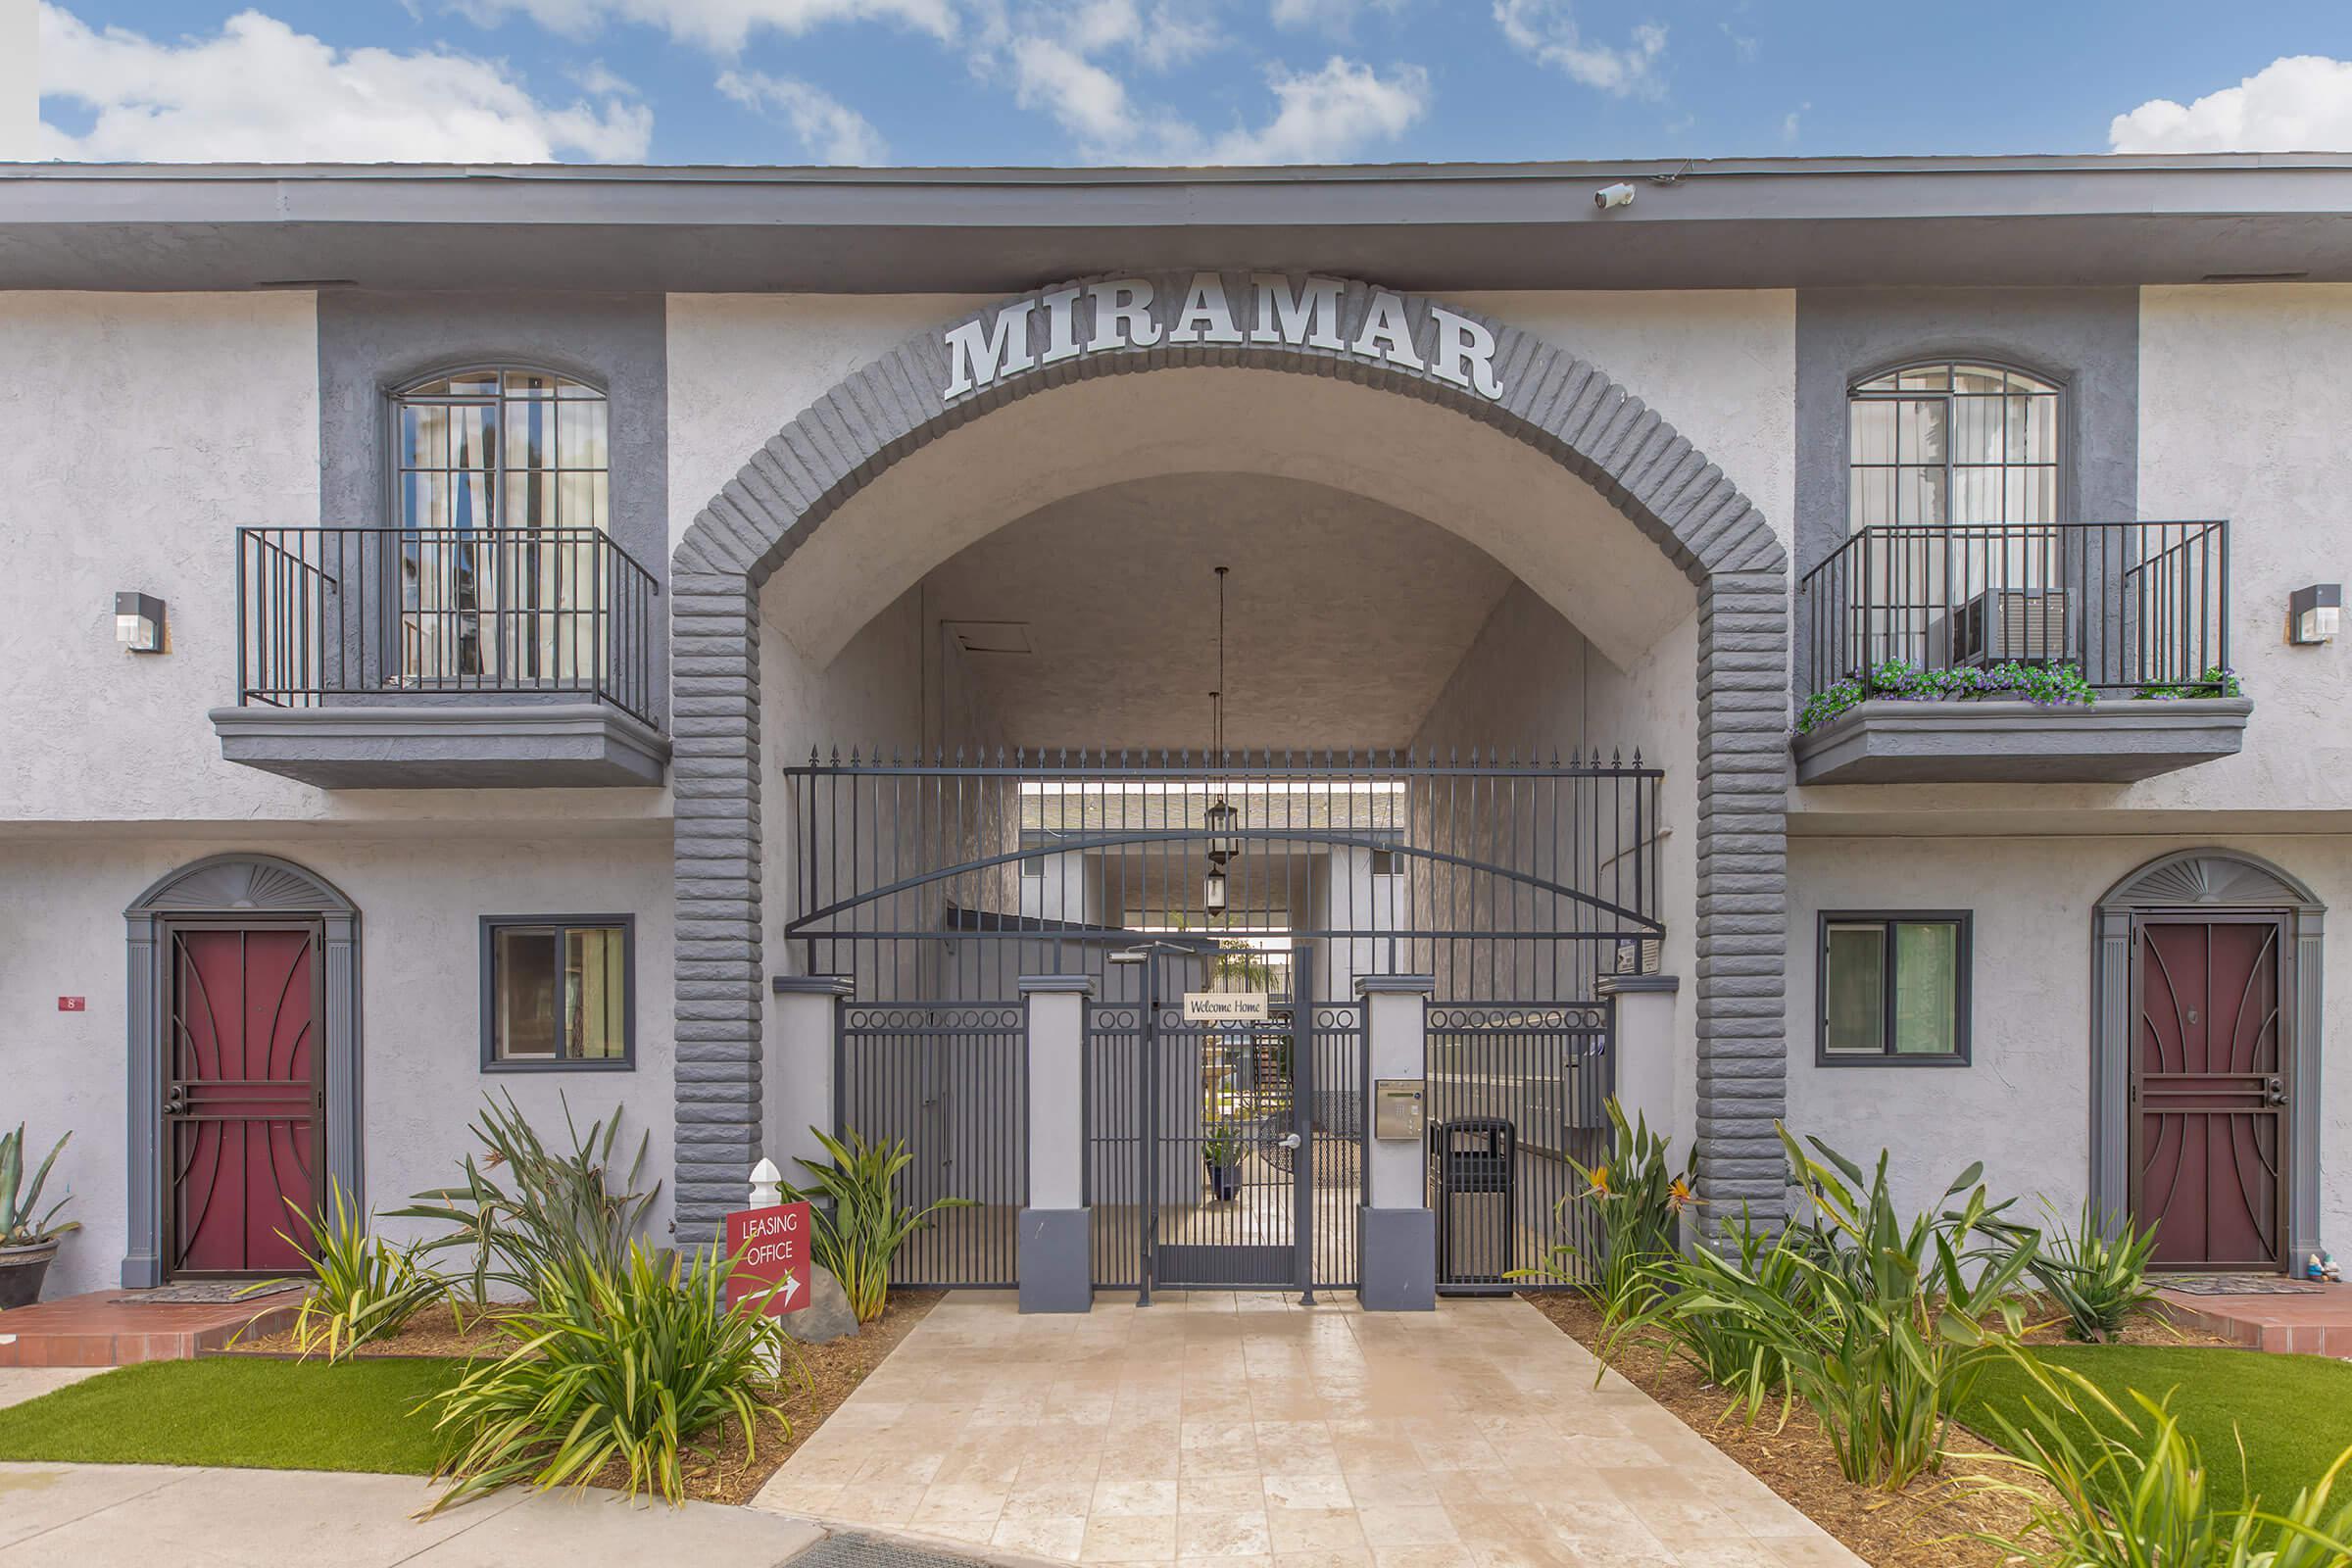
[[2017, 652], [388, 658]]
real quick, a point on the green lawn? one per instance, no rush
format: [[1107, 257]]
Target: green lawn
[[2292, 1413], [238, 1410]]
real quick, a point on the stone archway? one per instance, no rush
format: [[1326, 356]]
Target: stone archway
[[1456, 361], [2196, 882], [237, 885]]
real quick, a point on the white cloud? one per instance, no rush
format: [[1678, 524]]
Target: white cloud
[[720, 26], [831, 130], [1791, 122], [1334, 16], [1545, 31], [1331, 115], [261, 92], [2298, 103]]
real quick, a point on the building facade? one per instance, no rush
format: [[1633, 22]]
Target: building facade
[[1829, 643]]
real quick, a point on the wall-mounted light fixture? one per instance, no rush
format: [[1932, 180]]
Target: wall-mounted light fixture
[[139, 622], [2314, 612]]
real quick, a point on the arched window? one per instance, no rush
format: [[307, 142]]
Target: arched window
[[501, 488], [1953, 478], [1952, 443]]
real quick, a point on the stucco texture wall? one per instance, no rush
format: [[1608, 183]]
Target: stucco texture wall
[[2023, 1104], [144, 428], [62, 934]]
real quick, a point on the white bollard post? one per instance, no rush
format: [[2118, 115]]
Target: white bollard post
[[768, 1184]]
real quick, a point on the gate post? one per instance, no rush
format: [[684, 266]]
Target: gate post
[[1398, 1233], [1642, 1046], [1054, 1260], [801, 1087]]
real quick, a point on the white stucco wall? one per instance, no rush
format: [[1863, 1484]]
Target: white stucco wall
[[743, 366], [144, 429], [1718, 364], [62, 934], [2023, 1104]]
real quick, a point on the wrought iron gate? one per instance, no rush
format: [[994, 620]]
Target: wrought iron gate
[[1223, 1154], [1517, 1090], [934, 886]]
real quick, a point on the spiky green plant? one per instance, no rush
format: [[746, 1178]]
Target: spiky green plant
[[524, 1209], [1882, 1329], [2097, 1271], [858, 1222], [364, 1288], [1638, 1198], [627, 1366], [2126, 1489], [22, 1220]]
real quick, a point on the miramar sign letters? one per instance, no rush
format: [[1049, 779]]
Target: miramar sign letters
[[1129, 314]]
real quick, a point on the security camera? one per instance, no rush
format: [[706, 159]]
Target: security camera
[[1617, 195]]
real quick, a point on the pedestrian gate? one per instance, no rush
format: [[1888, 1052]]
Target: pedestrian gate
[[1225, 1154]]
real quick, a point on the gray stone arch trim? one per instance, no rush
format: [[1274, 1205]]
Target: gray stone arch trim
[[1553, 401], [2188, 882], [261, 886]]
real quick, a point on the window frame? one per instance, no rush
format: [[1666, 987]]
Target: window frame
[[1964, 964], [487, 959], [2062, 469]]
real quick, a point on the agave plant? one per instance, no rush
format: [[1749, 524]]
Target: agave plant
[[551, 1211], [366, 1288], [861, 1231], [22, 1220]]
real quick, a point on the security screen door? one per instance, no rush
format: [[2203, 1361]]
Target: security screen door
[[2210, 1091]]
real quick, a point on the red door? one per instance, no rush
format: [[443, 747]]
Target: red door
[[241, 1097], [2209, 1077]]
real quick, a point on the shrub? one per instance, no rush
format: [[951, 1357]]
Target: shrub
[[1899, 680], [1877, 1323], [2124, 1490], [550, 1211], [22, 1220], [2217, 680], [1733, 1350], [625, 1366], [1639, 1200], [2099, 1277], [365, 1288], [857, 1222]]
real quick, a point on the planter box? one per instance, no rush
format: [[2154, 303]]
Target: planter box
[[2113, 742]]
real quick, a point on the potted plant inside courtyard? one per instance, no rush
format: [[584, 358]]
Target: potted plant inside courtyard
[[29, 1233], [1221, 1152]]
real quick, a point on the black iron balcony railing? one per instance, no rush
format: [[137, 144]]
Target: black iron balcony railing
[[330, 616], [2132, 605]]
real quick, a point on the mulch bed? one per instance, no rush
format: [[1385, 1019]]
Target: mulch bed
[[731, 1472], [1933, 1523]]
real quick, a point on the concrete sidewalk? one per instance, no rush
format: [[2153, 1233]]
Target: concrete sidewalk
[[134, 1516]]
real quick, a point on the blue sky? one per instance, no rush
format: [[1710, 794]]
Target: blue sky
[[1076, 81]]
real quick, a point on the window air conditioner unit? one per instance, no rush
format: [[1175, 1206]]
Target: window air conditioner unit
[[2012, 626]]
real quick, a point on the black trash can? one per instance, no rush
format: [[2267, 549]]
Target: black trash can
[[1473, 1163]]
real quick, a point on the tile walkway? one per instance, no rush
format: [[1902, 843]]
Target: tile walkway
[[2314, 1323], [1246, 1430], [115, 1328]]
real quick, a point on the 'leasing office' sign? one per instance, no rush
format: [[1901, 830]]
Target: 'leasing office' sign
[[1129, 313]]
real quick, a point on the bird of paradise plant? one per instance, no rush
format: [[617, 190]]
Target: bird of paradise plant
[[1638, 1198]]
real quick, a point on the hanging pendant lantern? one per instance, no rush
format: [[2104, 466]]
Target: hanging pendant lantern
[[1212, 890], [1224, 842]]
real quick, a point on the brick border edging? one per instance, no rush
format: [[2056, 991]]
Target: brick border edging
[[1552, 401]]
